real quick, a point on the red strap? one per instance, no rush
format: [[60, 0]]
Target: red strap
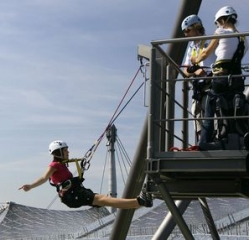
[[190, 149]]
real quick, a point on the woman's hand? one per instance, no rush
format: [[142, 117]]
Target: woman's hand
[[194, 60], [25, 187]]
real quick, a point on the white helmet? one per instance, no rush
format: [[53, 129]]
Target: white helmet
[[57, 144], [225, 11], [190, 20]]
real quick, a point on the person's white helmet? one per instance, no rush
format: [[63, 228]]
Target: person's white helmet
[[190, 20], [225, 11], [57, 144]]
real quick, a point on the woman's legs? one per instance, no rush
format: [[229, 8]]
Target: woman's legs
[[208, 124], [144, 199], [103, 200]]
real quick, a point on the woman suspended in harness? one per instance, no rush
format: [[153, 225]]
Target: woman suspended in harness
[[70, 189], [229, 52]]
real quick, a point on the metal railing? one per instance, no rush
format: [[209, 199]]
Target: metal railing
[[169, 113]]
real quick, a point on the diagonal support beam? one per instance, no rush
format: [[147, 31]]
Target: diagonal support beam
[[209, 218], [177, 215]]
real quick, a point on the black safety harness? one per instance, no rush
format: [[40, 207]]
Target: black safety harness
[[230, 100], [230, 68]]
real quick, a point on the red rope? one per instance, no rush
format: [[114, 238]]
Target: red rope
[[90, 152], [189, 149]]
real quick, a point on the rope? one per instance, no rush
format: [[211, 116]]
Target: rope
[[189, 149], [85, 162]]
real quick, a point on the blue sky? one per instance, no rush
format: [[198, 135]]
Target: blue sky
[[65, 65]]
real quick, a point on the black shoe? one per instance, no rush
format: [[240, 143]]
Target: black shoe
[[145, 199]]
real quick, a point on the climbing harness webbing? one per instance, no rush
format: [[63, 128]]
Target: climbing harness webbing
[[83, 164], [194, 52], [238, 55], [231, 66]]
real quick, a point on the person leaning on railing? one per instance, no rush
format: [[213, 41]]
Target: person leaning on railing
[[225, 65]]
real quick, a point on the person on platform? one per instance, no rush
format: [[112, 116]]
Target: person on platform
[[225, 65], [192, 27]]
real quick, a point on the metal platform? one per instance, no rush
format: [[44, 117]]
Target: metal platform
[[202, 164], [186, 175], [200, 174]]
